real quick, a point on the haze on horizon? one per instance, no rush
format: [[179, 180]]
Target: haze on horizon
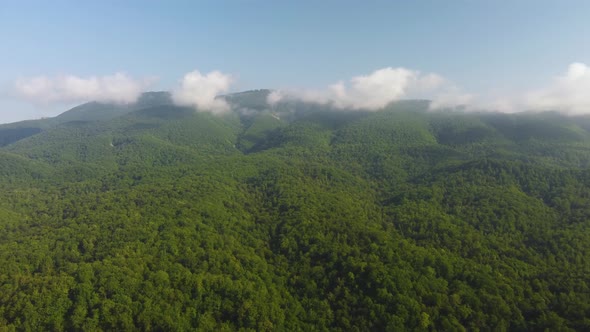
[[509, 57]]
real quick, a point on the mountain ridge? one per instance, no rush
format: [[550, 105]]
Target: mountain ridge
[[298, 217]]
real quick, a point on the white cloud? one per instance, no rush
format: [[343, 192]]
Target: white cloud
[[569, 93], [376, 90], [451, 98], [200, 91], [117, 88], [275, 96]]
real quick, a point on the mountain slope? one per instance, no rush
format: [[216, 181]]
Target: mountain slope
[[298, 217], [92, 111]]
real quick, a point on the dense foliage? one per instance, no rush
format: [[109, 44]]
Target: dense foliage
[[295, 217]]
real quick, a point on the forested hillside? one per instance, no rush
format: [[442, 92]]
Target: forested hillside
[[294, 217]]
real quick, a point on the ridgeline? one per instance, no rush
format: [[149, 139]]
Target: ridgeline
[[294, 217]]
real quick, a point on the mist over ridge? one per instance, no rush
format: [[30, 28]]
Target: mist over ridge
[[566, 93]]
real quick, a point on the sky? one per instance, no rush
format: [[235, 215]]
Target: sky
[[509, 55]]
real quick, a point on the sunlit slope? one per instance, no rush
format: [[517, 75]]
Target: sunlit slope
[[88, 112], [153, 136], [405, 137], [297, 216]]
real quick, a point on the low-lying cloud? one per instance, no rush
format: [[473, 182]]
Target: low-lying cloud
[[377, 89], [569, 93], [201, 91], [117, 88]]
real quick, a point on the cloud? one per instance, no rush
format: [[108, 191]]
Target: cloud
[[568, 93], [201, 91], [275, 97], [117, 88], [453, 97], [377, 89]]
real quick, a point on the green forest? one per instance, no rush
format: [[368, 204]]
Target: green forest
[[294, 217]]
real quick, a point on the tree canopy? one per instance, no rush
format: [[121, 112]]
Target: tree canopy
[[296, 217]]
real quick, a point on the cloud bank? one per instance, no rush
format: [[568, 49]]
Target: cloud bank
[[200, 91], [568, 93], [117, 88], [379, 88]]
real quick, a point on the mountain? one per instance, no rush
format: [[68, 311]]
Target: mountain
[[92, 111], [295, 216]]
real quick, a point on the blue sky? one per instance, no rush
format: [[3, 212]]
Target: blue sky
[[482, 47]]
